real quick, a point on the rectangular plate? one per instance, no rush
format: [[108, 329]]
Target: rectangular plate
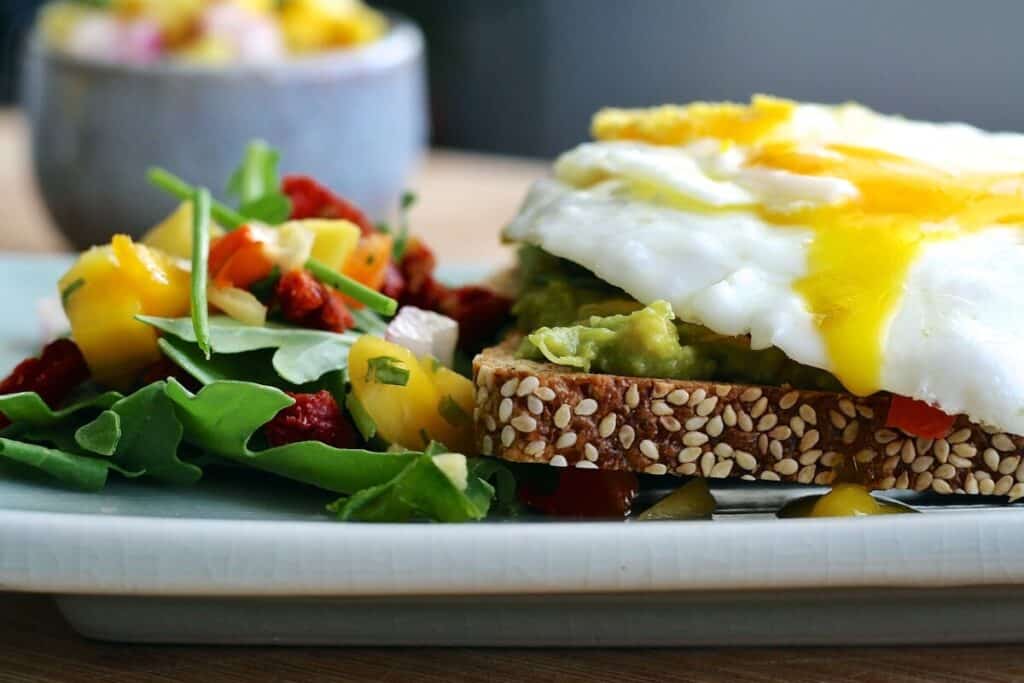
[[248, 559]]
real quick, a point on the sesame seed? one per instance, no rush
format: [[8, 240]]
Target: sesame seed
[[805, 475], [505, 409], [489, 423], [810, 457], [707, 463], [923, 481], [534, 405], [750, 395], [959, 436], [558, 461], [946, 471], [535, 448], [809, 439], [923, 445], [660, 390], [721, 391], [482, 395], [626, 436], [989, 429], [695, 423], [483, 375], [768, 475], [509, 387], [745, 423], [590, 452], [907, 453], [757, 410], [723, 450], [670, 423], [544, 393], [695, 439], [831, 459], [689, 454], [527, 385], [729, 416], [565, 440], [656, 468], [1020, 472], [922, 463], [508, 435], [661, 408], [767, 422], [889, 464], [894, 447], [846, 406], [1009, 464], [866, 412], [1003, 486], [696, 397], [786, 467], [965, 450], [721, 470], [762, 444], [524, 423], [1016, 492], [775, 448], [971, 484], [746, 461], [986, 487], [563, 416], [864, 456], [606, 427], [781, 432], [837, 419], [991, 458], [632, 396], [587, 406], [789, 400], [940, 486], [797, 424], [850, 433], [959, 462], [1001, 442], [707, 406], [884, 436], [487, 445], [678, 397], [748, 477], [715, 426], [887, 483], [903, 481], [941, 450], [585, 465], [808, 414], [648, 450], [982, 474], [687, 469]]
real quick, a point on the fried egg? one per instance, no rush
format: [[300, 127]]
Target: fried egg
[[886, 251]]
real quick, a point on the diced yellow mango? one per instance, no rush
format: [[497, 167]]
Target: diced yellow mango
[[406, 415], [174, 234], [113, 284], [176, 18], [333, 240], [455, 406], [310, 25]]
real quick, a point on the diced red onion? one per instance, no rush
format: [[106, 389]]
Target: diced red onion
[[424, 333]]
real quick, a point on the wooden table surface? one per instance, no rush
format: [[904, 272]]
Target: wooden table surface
[[464, 200]]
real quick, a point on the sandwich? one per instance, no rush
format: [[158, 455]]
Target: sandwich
[[772, 291]]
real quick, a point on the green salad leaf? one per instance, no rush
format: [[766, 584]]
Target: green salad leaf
[[102, 435], [28, 409], [256, 185], [301, 355], [76, 471]]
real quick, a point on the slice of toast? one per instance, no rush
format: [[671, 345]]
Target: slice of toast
[[543, 413]]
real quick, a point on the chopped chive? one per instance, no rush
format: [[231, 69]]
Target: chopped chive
[[370, 298], [386, 370], [452, 412], [364, 423], [200, 254], [172, 184], [71, 289]]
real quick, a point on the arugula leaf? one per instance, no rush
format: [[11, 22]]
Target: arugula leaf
[[301, 355], [386, 370], [102, 435], [500, 477], [150, 435], [369, 322], [80, 472], [250, 366], [257, 187], [223, 417], [28, 409]]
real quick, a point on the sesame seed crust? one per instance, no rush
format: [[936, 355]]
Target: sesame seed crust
[[718, 430]]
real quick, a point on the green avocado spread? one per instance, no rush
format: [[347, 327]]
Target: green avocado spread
[[572, 318]]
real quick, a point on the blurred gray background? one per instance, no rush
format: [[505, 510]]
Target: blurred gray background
[[523, 77]]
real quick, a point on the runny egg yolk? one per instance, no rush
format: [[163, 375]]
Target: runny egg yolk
[[863, 247]]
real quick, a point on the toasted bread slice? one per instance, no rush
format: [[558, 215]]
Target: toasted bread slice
[[544, 413]]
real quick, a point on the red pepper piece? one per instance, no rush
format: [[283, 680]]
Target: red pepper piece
[[918, 418], [582, 493]]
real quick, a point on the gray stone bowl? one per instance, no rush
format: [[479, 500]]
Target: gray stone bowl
[[355, 119]]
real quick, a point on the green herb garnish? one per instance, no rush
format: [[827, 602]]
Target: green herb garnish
[[257, 186], [452, 412], [364, 422], [71, 289], [225, 216], [370, 298], [200, 255], [386, 370]]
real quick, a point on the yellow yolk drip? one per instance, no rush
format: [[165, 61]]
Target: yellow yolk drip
[[862, 248]]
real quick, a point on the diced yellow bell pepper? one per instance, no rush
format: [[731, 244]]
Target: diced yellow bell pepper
[[105, 289], [311, 25], [333, 240], [421, 410], [173, 235]]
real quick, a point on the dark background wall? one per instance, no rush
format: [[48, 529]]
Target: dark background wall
[[524, 76]]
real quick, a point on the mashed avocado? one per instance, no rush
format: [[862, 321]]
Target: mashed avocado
[[574, 319]]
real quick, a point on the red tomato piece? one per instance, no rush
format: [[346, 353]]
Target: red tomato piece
[[582, 493], [918, 418]]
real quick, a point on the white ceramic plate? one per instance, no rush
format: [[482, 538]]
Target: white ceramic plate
[[251, 560]]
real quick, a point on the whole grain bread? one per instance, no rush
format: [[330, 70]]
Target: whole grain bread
[[544, 413]]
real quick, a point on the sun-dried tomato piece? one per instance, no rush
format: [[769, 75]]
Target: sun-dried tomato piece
[[313, 417], [310, 199], [165, 369], [579, 493], [308, 302], [394, 283], [53, 375], [479, 311]]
